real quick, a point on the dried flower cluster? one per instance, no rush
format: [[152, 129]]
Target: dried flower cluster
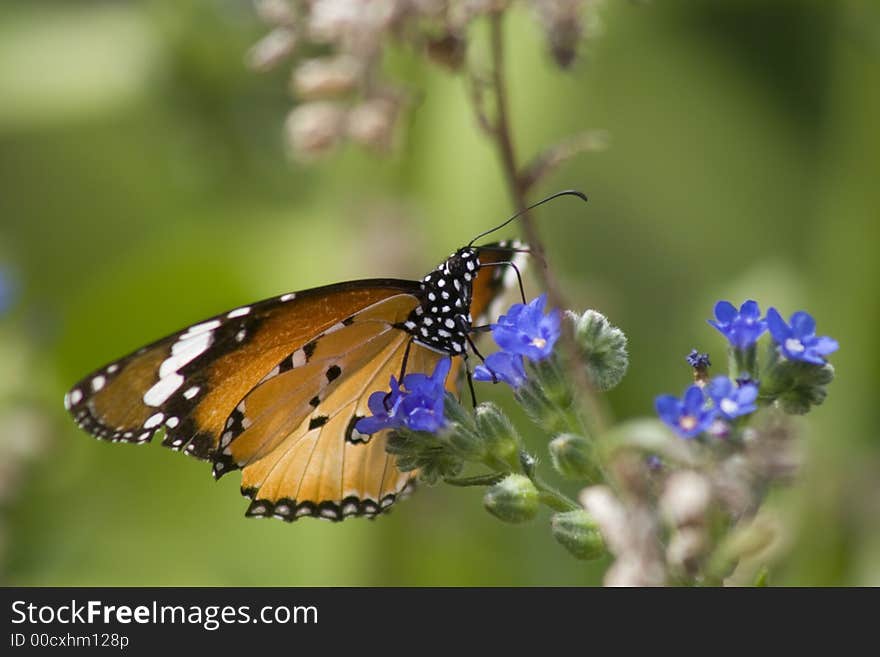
[[690, 518], [336, 48]]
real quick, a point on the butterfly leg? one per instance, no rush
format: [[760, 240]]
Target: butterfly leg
[[402, 373], [522, 291], [470, 378], [467, 363]]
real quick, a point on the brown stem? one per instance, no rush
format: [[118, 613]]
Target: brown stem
[[518, 187]]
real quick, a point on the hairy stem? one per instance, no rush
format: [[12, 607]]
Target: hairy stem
[[518, 188]]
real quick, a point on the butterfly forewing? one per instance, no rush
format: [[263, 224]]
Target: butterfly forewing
[[190, 382]]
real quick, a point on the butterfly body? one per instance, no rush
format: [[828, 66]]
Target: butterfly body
[[275, 388], [443, 319]]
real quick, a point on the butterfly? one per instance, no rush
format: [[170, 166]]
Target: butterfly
[[275, 388]]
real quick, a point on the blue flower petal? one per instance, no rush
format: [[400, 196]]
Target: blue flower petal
[[502, 367], [694, 400], [803, 325], [777, 326], [747, 394], [668, 408], [720, 387], [725, 312], [750, 310], [371, 425], [825, 345]]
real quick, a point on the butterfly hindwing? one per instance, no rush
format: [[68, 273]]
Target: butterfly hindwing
[[322, 466]]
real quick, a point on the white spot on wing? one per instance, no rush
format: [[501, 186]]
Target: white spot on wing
[[191, 392], [184, 351], [162, 390], [299, 358], [172, 422], [154, 420], [239, 312], [98, 383], [287, 297], [200, 328]]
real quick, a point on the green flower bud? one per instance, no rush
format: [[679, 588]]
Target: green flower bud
[[498, 434], [548, 375], [796, 386], [547, 398], [578, 533], [572, 456], [462, 434], [419, 450], [514, 499], [603, 348]]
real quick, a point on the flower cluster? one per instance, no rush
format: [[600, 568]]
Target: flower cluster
[[417, 405], [696, 412], [797, 339], [343, 93], [524, 332], [796, 381]]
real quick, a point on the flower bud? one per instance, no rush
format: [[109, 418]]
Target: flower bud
[[686, 498], [497, 432], [514, 499], [563, 26], [425, 452], [546, 396], [462, 434], [371, 123], [447, 50], [275, 12], [686, 548], [572, 456], [271, 49], [325, 77], [603, 348], [796, 386], [313, 128], [578, 533]]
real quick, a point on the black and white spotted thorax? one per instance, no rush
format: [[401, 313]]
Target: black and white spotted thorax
[[443, 319]]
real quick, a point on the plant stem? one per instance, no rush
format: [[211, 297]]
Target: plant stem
[[518, 188]]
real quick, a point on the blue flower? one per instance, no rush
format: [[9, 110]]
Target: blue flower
[[798, 341], [418, 405], [732, 401], [742, 328], [688, 416], [502, 366], [525, 329]]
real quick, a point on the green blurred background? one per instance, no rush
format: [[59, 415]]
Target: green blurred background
[[144, 185]]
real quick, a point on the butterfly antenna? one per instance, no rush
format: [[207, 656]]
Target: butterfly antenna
[[567, 192]]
